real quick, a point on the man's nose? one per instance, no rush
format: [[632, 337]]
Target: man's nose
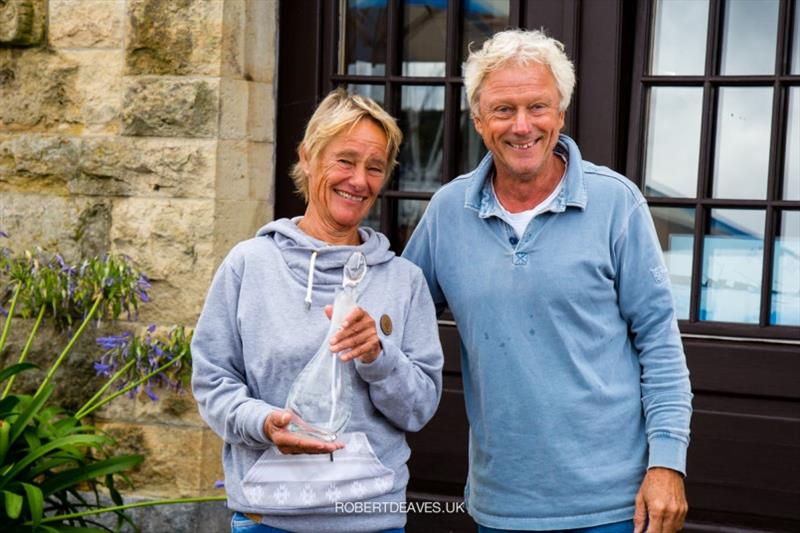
[[521, 124]]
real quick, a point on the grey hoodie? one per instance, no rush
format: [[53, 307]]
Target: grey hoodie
[[256, 333]]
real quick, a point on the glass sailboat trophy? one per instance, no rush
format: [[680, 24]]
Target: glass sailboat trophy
[[320, 397]]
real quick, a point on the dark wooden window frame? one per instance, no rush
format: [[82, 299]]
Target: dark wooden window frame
[[703, 202]]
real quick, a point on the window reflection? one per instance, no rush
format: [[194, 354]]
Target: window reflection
[[791, 167], [750, 29], [363, 39], [679, 37], [373, 218], [675, 229], [482, 19], [741, 161], [409, 212], [673, 141], [786, 272], [732, 255], [472, 147], [424, 32], [422, 122], [372, 91]]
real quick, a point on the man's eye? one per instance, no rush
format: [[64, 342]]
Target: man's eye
[[376, 170], [345, 162]]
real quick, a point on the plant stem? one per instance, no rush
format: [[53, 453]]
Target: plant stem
[[27, 347], [7, 325], [70, 345], [84, 411], [60, 518]]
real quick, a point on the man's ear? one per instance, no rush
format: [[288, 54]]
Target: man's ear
[[303, 155], [476, 121]]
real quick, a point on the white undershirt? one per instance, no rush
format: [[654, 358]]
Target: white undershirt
[[519, 221]]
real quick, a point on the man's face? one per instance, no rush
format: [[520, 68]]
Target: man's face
[[519, 119]]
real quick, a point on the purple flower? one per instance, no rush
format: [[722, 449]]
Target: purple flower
[[151, 328], [102, 369], [113, 341], [3, 234], [149, 391], [219, 484]]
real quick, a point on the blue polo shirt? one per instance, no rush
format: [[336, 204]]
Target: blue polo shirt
[[575, 379]]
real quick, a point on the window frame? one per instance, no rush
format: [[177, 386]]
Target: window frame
[[703, 202]]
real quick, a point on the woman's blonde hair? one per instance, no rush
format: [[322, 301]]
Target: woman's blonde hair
[[339, 112], [520, 47]]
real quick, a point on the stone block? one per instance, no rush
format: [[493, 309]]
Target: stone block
[[174, 37], [99, 86], [75, 226], [234, 39], [86, 23], [262, 171], [261, 46], [38, 163], [171, 108], [233, 179], [235, 221], [38, 91], [234, 108], [172, 242], [176, 408], [173, 464], [129, 166], [22, 22], [261, 112]]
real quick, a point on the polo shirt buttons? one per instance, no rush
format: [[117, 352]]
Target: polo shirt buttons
[[513, 241]]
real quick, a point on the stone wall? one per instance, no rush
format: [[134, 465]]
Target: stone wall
[[142, 127]]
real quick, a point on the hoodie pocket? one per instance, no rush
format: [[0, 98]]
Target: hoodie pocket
[[278, 481]]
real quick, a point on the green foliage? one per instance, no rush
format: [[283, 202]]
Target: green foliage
[[56, 470]]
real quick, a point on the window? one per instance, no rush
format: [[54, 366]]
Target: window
[[715, 140], [407, 55]]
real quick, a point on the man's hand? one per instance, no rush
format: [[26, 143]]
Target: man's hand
[[661, 501], [292, 443], [358, 335]]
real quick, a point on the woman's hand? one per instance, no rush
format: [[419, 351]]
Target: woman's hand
[[357, 338], [292, 443]]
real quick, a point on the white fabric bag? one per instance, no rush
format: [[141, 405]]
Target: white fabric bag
[[278, 481]]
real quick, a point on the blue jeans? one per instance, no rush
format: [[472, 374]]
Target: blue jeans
[[241, 524], [616, 527]]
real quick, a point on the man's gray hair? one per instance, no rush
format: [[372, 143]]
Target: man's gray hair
[[519, 47]]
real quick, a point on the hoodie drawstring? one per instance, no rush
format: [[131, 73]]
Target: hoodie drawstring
[[310, 283]]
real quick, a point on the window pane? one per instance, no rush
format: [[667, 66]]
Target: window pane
[[422, 122], [741, 160], [408, 214], [732, 254], [472, 147], [673, 141], [482, 19], [373, 218], [424, 32], [675, 229], [679, 37], [796, 40], [786, 273], [791, 169], [362, 46], [749, 36], [372, 91]]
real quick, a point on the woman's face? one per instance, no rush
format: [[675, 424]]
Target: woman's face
[[345, 179]]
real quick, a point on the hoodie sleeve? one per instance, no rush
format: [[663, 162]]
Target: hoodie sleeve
[[219, 381], [405, 381]]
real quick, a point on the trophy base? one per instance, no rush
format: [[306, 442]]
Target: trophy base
[[300, 427]]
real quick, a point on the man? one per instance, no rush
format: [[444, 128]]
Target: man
[[576, 385]]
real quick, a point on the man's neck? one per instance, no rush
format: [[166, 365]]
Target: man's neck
[[517, 194]]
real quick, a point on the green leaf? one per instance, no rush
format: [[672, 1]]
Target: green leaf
[[13, 504], [15, 369], [72, 477], [35, 502], [33, 455], [30, 411]]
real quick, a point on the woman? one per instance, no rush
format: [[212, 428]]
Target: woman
[[268, 311]]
